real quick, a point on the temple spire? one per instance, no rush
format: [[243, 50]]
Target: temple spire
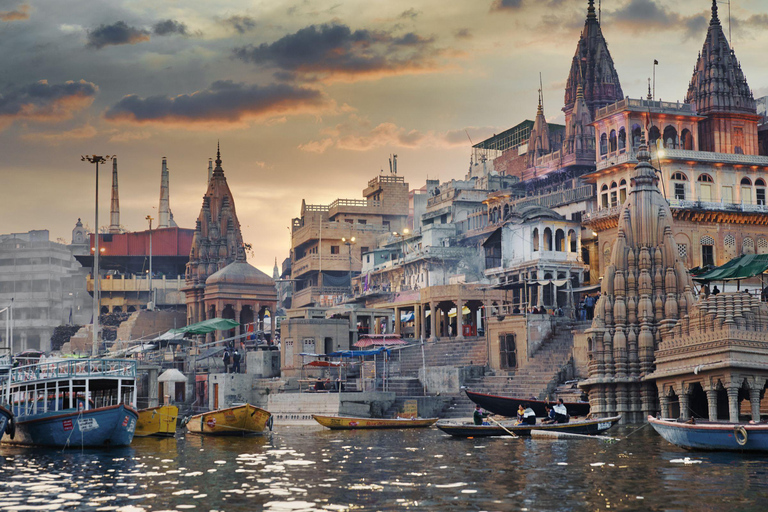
[[715, 20], [114, 214]]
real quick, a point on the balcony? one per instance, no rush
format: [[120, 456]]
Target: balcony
[[721, 206], [312, 293], [561, 197], [666, 107], [337, 262], [602, 213]]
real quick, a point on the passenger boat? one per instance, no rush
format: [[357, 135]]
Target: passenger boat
[[507, 406], [7, 424], [157, 421], [73, 403], [712, 435], [351, 423], [503, 428], [240, 420]]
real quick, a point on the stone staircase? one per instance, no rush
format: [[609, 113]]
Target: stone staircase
[[445, 352]]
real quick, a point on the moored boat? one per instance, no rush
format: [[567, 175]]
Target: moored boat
[[713, 435], [507, 405], [352, 423], [240, 420], [157, 421], [73, 403], [503, 428], [7, 422]]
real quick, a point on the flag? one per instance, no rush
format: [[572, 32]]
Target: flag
[[655, 62]]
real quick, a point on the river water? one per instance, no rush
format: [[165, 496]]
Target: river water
[[308, 468]]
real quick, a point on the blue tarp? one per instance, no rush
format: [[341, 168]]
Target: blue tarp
[[357, 353]]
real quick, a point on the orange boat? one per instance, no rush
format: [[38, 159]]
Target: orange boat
[[241, 420], [157, 421], [350, 423]]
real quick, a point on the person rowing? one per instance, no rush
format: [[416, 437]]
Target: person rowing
[[561, 413]]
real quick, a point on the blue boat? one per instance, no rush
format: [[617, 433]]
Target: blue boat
[[712, 435], [7, 424], [76, 403]]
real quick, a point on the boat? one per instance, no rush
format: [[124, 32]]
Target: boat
[[240, 420], [713, 435], [503, 428], [352, 423], [157, 421], [7, 424], [72, 403], [507, 406]]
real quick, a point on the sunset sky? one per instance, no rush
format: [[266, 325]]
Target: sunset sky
[[308, 98]]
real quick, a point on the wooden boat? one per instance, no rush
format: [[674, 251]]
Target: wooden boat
[[507, 406], [73, 403], [712, 435], [157, 421], [240, 420], [7, 424], [588, 427], [351, 423]]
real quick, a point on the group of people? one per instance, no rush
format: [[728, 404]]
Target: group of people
[[234, 359], [558, 413], [587, 307]]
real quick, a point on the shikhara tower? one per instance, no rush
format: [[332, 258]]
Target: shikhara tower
[[645, 290]]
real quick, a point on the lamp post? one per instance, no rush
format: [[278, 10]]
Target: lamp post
[[96, 159], [151, 305], [349, 242]]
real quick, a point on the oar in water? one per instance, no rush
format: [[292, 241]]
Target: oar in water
[[502, 426]]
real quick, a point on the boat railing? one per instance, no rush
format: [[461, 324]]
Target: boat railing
[[74, 369]]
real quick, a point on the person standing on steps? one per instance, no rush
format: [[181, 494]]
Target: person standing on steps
[[236, 362], [226, 359]]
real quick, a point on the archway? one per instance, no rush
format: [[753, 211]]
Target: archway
[[560, 240], [670, 137], [547, 239], [697, 402]]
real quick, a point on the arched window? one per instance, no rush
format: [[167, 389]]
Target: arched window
[[547, 239], [748, 246], [686, 140], [679, 187], [653, 135], [622, 138], [706, 178], [670, 137], [604, 196], [707, 251], [506, 211], [746, 191], [612, 142], [679, 176], [705, 187], [535, 239], [746, 181], [614, 195], [760, 191], [560, 240], [573, 242], [637, 135], [604, 144], [622, 191]]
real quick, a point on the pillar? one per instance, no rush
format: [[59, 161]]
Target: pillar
[[239, 329], [754, 400], [540, 295], [684, 411], [733, 404], [273, 323], [432, 321], [459, 319], [664, 402], [397, 321], [712, 404]]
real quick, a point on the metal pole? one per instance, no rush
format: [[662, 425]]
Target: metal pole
[[96, 299], [151, 304]]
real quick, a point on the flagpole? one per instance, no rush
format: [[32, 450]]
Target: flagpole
[[655, 63]]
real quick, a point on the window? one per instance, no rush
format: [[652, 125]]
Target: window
[[349, 221], [614, 198], [334, 249], [535, 239], [760, 196], [706, 178], [385, 224], [727, 194], [362, 221], [680, 191], [679, 176], [364, 250], [707, 255]]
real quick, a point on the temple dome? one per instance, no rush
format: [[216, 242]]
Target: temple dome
[[239, 272]]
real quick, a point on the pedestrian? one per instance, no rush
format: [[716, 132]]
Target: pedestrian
[[226, 359], [236, 362]]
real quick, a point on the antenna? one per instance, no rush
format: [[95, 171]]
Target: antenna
[[470, 138], [541, 92], [729, 24]]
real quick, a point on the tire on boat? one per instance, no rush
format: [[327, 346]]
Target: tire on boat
[[740, 434]]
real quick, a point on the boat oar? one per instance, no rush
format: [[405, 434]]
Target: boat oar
[[503, 427]]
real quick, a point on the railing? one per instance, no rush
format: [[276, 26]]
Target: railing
[[602, 213], [675, 107], [79, 369], [560, 198], [721, 206], [316, 208], [612, 159], [386, 179], [707, 156]]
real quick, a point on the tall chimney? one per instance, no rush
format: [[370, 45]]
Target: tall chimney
[[164, 210], [114, 215]]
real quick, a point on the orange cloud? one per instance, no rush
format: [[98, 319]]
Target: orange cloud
[[83, 132], [42, 101], [20, 14]]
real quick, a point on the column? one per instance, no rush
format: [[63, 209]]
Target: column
[[684, 412], [460, 319], [352, 329], [540, 298], [397, 321], [664, 402], [238, 330], [712, 404], [273, 322], [418, 321], [754, 400], [733, 404], [373, 329], [432, 322]]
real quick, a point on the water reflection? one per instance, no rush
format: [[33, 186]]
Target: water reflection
[[301, 468]]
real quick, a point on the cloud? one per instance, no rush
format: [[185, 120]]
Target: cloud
[[410, 14], [19, 14], [169, 27], [83, 132], [41, 101], [463, 33], [116, 34], [336, 51], [225, 103], [241, 24], [646, 15], [506, 5]]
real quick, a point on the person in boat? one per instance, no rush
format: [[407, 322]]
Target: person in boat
[[479, 416], [550, 416], [561, 413], [525, 415]]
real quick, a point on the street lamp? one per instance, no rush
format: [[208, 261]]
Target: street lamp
[[96, 159], [349, 243], [151, 305]]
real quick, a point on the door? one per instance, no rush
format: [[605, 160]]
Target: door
[[727, 194], [507, 351], [216, 396]]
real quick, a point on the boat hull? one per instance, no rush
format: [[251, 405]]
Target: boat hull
[[6, 418], [713, 436], [507, 406], [350, 423], [586, 427], [157, 421], [94, 428], [241, 420]]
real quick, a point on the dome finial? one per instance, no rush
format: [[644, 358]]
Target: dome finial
[[715, 20], [218, 153], [591, 9]]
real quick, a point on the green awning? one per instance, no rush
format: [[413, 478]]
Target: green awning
[[206, 326], [749, 265]]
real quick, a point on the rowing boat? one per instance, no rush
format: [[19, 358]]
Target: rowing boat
[[240, 420], [503, 428], [351, 423], [157, 421], [507, 405]]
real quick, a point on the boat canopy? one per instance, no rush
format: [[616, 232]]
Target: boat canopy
[[743, 267], [324, 364], [382, 340], [206, 326], [358, 353]]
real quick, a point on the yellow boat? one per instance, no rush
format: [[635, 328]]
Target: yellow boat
[[236, 421], [349, 423], [157, 421]]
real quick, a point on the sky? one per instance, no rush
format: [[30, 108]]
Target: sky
[[308, 98]]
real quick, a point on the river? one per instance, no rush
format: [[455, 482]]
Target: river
[[308, 469]]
